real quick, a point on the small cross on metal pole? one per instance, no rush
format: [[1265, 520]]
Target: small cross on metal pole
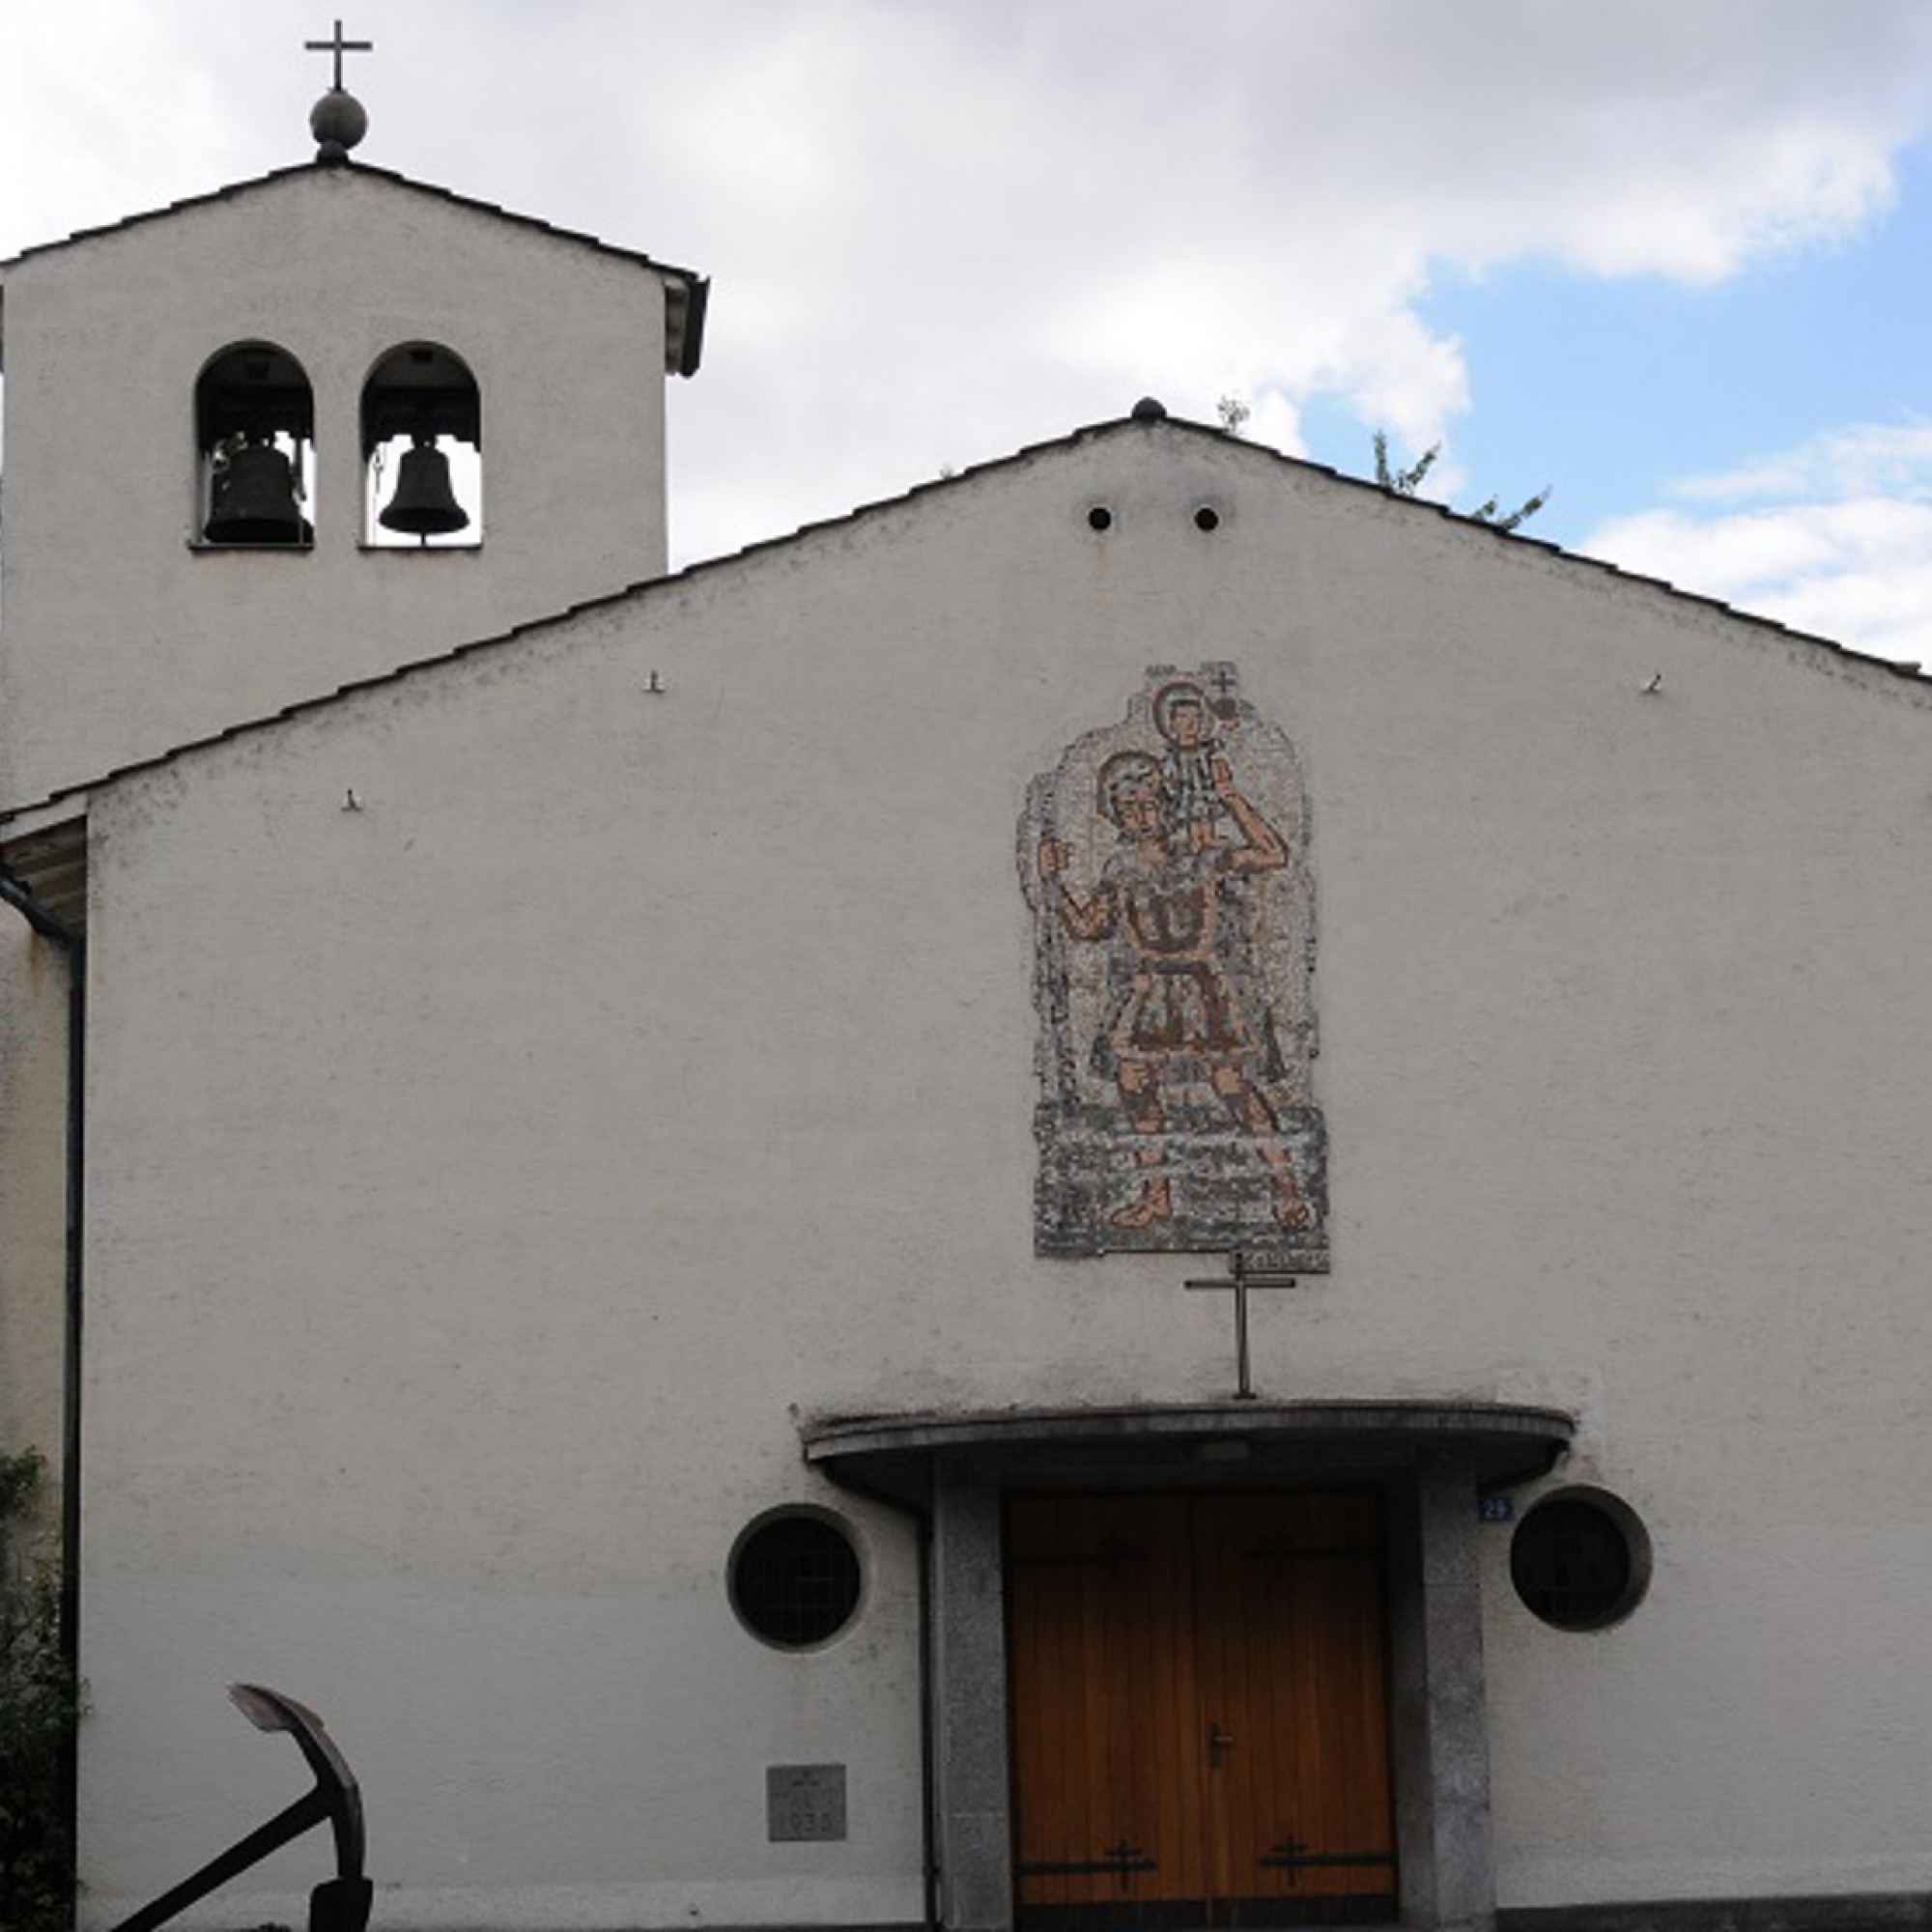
[[338, 47], [1240, 1277]]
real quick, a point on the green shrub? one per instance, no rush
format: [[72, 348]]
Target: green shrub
[[40, 1704]]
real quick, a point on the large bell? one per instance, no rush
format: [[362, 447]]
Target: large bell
[[255, 498], [424, 504]]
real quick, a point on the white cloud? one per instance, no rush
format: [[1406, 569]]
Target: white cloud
[[1832, 537], [940, 231], [1892, 459]]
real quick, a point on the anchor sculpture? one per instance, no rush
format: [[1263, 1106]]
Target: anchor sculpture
[[340, 1904]]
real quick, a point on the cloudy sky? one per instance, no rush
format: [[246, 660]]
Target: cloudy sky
[[1674, 260]]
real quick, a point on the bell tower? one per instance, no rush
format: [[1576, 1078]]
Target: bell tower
[[302, 431]]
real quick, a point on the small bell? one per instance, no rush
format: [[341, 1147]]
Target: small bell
[[255, 498], [424, 504]]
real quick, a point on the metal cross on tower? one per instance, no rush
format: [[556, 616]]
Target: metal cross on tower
[[1240, 1277], [338, 47]]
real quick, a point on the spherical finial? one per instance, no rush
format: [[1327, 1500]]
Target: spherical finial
[[1150, 409], [337, 122]]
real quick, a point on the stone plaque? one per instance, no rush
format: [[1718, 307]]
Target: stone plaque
[[1165, 859], [804, 1802]]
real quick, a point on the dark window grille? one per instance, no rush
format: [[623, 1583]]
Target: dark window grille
[[795, 1581], [1579, 1562]]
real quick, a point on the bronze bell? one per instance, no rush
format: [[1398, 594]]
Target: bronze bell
[[424, 504], [255, 498]]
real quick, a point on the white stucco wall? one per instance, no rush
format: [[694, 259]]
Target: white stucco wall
[[34, 981], [123, 638], [486, 1182]]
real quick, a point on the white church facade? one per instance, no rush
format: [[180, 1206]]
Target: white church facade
[[1145, 1191]]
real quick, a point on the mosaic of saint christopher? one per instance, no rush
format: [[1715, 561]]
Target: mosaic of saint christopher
[[1165, 862]]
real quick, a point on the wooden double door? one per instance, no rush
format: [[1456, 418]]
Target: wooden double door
[[1199, 1698]]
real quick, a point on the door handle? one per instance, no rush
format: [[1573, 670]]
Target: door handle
[[1219, 1743]]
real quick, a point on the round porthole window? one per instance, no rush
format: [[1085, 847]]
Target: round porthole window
[[1580, 1560], [795, 1579]]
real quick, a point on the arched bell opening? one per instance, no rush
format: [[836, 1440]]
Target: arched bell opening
[[422, 450], [254, 418]]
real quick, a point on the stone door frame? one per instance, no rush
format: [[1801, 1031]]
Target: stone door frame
[[1430, 1461]]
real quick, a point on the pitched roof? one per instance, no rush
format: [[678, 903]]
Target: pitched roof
[[684, 341], [1907, 674]]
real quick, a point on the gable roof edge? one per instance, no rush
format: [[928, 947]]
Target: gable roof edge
[[1917, 687], [685, 314]]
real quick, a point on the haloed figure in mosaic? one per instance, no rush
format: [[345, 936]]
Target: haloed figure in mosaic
[[1181, 717], [1183, 981]]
